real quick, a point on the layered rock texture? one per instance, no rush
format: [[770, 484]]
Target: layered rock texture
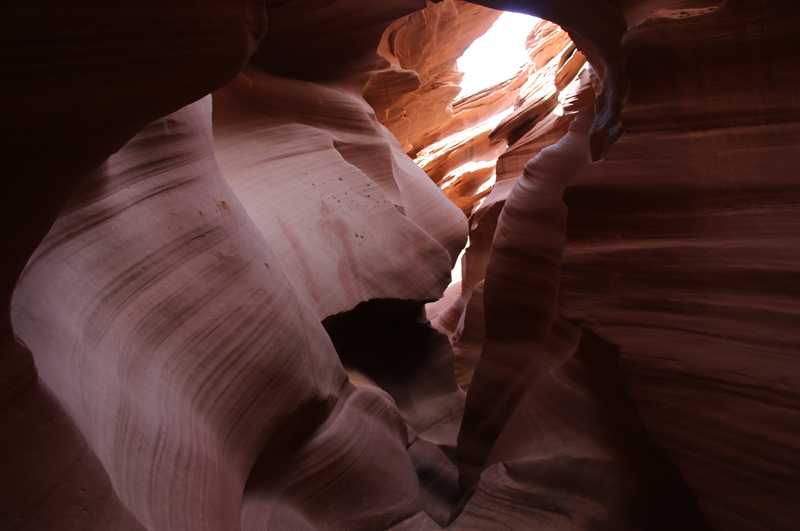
[[683, 252], [413, 91], [218, 251], [493, 133], [679, 297]]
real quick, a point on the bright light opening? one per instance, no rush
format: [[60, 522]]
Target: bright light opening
[[497, 55], [455, 274]]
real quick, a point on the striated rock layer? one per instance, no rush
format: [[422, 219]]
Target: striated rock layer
[[683, 247], [413, 93], [354, 222], [192, 354], [693, 254], [527, 430], [173, 364], [78, 82], [223, 327], [689, 271], [493, 133], [326, 186]]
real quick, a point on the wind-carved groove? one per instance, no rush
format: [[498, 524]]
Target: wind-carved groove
[[520, 302], [185, 380], [549, 431], [597, 28]]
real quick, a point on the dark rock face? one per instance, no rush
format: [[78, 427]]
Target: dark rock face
[[217, 319], [78, 82], [81, 80], [683, 249]]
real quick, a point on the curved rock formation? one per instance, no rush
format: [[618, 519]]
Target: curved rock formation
[[173, 356], [184, 251], [413, 93], [329, 198], [355, 223], [520, 311], [78, 82], [226, 313], [78, 98], [493, 133], [683, 252], [532, 427], [635, 307], [597, 27]]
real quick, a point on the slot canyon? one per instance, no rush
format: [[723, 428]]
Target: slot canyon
[[228, 231]]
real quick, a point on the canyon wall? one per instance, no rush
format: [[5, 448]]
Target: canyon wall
[[683, 250], [694, 253], [221, 319]]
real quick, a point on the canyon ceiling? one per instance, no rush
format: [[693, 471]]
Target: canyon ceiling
[[225, 281]]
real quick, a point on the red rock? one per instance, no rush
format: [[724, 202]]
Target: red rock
[[684, 255], [327, 197], [532, 427], [83, 81], [597, 29], [524, 112], [51, 478], [184, 378], [513, 354], [391, 344], [427, 42], [183, 309], [79, 81]]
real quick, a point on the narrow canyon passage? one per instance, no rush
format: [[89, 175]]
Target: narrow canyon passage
[[229, 231]]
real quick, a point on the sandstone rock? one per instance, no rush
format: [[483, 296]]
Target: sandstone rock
[[494, 132], [527, 429], [514, 354], [330, 40], [324, 185], [190, 353], [355, 224], [427, 42], [185, 380], [51, 478], [81, 81], [78, 82], [683, 253]]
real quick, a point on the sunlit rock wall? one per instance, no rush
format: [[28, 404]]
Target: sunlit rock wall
[[489, 135], [412, 94]]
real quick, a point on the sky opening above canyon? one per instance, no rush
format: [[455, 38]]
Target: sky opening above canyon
[[497, 54]]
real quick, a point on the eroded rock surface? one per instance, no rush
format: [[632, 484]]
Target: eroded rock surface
[[351, 217], [413, 93], [148, 387], [493, 133], [683, 252], [224, 328]]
